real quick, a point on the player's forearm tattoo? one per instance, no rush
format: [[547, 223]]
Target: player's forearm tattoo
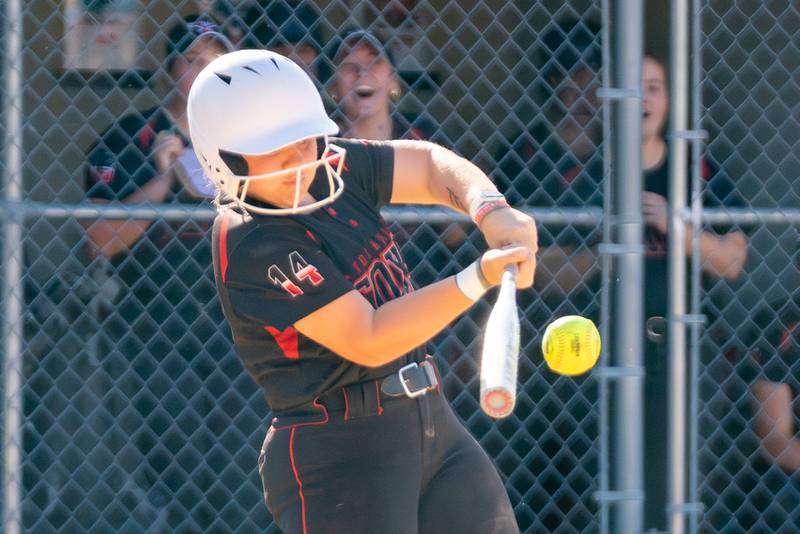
[[454, 200]]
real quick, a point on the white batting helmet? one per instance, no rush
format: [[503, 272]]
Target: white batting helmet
[[253, 102]]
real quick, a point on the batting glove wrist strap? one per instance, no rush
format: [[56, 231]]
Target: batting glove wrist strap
[[472, 282]]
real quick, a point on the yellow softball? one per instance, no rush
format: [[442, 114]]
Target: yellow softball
[[571, 345]]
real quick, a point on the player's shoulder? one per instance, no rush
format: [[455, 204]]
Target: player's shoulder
[[249, 238], [366, 163], [361, 148], [360, 144]]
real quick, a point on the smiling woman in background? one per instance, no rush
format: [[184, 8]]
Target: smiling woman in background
[[365, 86]]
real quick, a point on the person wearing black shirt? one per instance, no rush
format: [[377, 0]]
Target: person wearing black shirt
[[323, 312], [365, 85], [166, 319], [723, 250]]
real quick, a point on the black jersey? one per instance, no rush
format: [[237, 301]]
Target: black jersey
[[166, 274], [120, 163], [718, 191], [272, 271]]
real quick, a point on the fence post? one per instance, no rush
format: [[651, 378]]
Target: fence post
[[676, 335], [626, 160], [696, 209], [12, 272]]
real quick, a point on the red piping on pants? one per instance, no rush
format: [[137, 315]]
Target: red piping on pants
[[299, 483]]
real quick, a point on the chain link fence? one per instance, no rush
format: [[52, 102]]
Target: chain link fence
[[748, 362], [136, 413]]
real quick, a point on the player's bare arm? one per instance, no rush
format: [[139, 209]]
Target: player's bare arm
[[426, 173], [371, 337]]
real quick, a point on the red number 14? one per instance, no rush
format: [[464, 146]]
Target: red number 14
[[301, 270]]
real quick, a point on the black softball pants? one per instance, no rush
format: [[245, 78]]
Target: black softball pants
[[371, 464]]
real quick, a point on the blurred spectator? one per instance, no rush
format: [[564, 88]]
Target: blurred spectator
[[144, 158], [226, 13], [289, 28], [773, 371], [365, 87], [167, 321], [556, 159], [401, 24], [723, 251], [569, 267]]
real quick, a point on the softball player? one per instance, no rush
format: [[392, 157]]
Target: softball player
[[324, 314]]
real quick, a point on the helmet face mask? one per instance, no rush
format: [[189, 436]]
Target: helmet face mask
[[252, 103], [332, 161]]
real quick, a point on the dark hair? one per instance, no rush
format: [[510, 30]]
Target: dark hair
[[186, 32], [352, 37], [662, 63]]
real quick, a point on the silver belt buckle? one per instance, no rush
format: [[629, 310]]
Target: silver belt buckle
[[410, 394]]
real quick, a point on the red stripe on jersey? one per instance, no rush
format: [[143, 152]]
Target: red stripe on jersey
[[287, 340], [223, 247]]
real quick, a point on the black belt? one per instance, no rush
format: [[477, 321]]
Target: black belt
[[411, 381]]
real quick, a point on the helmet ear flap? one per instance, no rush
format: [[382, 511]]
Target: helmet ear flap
[[235, 162], [238, 167]]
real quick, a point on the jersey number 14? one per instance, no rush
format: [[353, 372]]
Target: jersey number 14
[[302, 272]]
